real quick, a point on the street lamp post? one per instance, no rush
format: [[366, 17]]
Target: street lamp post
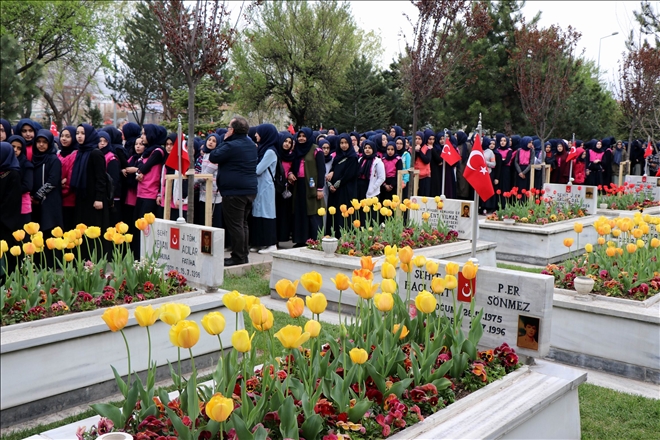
[[599, 45]]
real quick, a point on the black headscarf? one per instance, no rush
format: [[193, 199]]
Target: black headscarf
[[31, 123], [387, 156], [268, 138], [108, 148], [131, 132], [333, 140], [403, 149], [156, 137], [39, 158], [251, 134], [8, 161], [116, 140], [341, 154], [302, 149], [285, 155], [367, 160], [7, 126], [65, 151], [79, 172]]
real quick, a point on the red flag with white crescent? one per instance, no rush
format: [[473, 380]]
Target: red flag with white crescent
[[53, 129], [649, 150], [173, 159], [476, 171], [449, 153], [465, 288], [572, 153]]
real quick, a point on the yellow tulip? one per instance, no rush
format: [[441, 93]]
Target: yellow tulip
[[387, 271], [15, 251], [115, 318], [4, 247], [141, 224], [219, 408], [312, 281], [60, 244], [19, 235], [425, 302], [78, 233], [267, 324], [332, 210], [438, 285], [610, 251], [406, 255], [407, 268], [364, 288], [81, 227], [404, 332], [292, 336], [640, 244], [321, 212], [383, 211], [68, 257], [469, 270], [31, 228], [258, 314], [29, 248], [631, 248], [316, 303], [395, 198], [356, 223], [403, 208], [451, 268], [568, 242], [589, 248], [296, 306], [150, 218], [234, 301], [146, 316], [388, 286], [419, 261], [128, 238], [50, 243], [313, 328], [350, 211], [57, 232], [619, 251], [390, 251], [242, 341], [655, 243], [250, 300], [38, 241], [184, 334], [450, 282], [341, 281], [121, 227], [577, 227], [93, 232], [425, 216], [384, 301], [214, 323], [117, 239], [601, 241], [355, 203], [367, 263], [637, 233], [171, 313], [432, 267], [616, 233], [285, 288], [358, 355]]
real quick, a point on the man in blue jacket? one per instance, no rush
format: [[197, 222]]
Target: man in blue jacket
[[236, 157]]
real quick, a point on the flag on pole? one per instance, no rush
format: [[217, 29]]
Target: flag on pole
[[476, 171], [649, 150], [449, 153], [572, 153], [291, 129], [173, 159], [53, 129]]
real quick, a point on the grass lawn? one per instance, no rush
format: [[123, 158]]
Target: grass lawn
[[253, 282], [519, 268]]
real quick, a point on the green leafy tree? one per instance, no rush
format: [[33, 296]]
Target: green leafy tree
[[400, 113], [93, 113], [210, 96], [296, 53], [15, 88], [362, 100]]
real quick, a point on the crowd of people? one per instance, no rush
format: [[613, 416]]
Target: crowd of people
[[268, 185]]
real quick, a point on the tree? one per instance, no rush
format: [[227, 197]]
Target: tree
[[438, 56], [93, 113], [296, 53], [545, 61], [15, 88], [362, 100], [210, 95], [199, 40], [649, 22], [134, 83], [396, 97]]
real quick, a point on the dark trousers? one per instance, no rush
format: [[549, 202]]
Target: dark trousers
[[235, 210]]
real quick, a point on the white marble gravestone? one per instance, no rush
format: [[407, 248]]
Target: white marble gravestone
[[514, 304], [573, 194], [457, 215], [649, 185], [195, 251]]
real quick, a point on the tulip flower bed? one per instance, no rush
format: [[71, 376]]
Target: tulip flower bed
[[623, 262], [532, 207], [77, 281], [626, 197], [386, 371], [382, 228]]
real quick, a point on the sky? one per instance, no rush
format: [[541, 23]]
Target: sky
[[593, 19]]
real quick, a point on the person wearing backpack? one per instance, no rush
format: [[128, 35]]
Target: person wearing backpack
[[263, 229], [283, 199]]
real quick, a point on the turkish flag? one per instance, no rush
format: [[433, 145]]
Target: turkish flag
[[173, 159], [291, 129], [572, 153], [449, 153], [465, 288], [649, 150], [53, 129], [174, 238], [476, 171]]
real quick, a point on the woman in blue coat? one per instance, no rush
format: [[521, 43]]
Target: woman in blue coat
[[263, 231]]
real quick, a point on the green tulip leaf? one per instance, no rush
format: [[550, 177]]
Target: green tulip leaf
[[312, 426], [289, 419], [123, 388], [109, 412]]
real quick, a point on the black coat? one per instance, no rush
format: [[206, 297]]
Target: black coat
[[95, 190], [236, 157], [47, 193]]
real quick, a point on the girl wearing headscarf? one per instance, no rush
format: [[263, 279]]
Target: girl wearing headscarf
[[523, 162], [579, 170], [5, 130], [464, 190], [371, 172], [503, 179], [10, 200], [128, 207], [342, 182], [619, 156], [329, 145], [47, 186], [27, 177], [393, 165], [179, 193], [88, 180], [437, 168], [307, 176], [493, 162], [551, 161], [263, 230], [208, 167], [563, 165], [27, 128], [149, 168], [284, 207], [402, 152], [597, 162], [113, 168], [423, 161], [67, 155]]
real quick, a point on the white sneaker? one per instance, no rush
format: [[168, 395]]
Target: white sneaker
[[268, 250], [254, 249]]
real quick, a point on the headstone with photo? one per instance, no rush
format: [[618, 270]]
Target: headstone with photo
[[455, 214], [571, 194], [647, 184], [197, 252], [517, 305]]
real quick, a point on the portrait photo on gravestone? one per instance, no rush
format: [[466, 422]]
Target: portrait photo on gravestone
[[528, 332], [207, 242]]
